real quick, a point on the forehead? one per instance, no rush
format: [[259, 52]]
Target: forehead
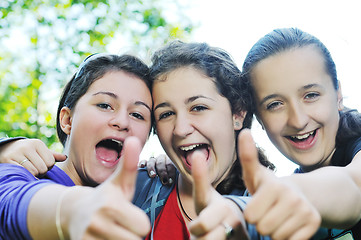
[[123, 84], [184, 81], [303, 64]]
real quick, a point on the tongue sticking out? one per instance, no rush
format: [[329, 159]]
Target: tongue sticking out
[[106, 154], [189, 155]]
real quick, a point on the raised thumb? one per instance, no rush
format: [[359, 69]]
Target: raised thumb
[[126, 174], [248, 156], [201, 184]]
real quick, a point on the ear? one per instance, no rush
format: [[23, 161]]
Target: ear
[[65, 120], [238, 119], [339, 97]]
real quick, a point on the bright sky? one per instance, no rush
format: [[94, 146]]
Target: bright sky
[[235, 25]]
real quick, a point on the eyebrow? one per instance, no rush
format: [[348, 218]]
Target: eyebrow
[[266, 98], [308, 86], [112, 95], [187, 101], [140, 103], [106, 93]]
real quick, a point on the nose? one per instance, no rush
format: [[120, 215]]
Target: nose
[[120, 121], [297, 116], [183, 126]]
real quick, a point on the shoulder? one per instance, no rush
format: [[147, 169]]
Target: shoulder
[[15, 178], [150, 190], [17, 187], [345, 153], [11, 172], [57, 175], [356, 145], [146, 186]]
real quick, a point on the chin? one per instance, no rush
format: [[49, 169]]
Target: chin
[[99, 179]]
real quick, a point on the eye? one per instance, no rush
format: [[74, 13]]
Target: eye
[[312, 96], [105, 106], [274, 105], [199, 108], [137, 115], [165, 115]]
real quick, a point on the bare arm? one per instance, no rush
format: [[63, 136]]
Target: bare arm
[[329, 196], [334, 191], [103, 212]]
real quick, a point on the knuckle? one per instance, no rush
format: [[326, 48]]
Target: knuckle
[[35, 172], [42, 170]]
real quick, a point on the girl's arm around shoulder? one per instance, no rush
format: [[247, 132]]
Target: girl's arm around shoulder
[[31, 154]]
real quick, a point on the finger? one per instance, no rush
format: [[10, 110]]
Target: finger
[[111, 225], [59, 157], [171, 171], [135, 220], [218, 232], [37, 161], [28, 165], [257, 179], [142, 163], [201, 184], [151, 167], [303, 222], [126, 174], [43, 157], [208, 220], [161, 168], [249, 160], [130, 222], [305, 232]]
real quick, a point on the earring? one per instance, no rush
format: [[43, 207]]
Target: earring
[[236, 124]]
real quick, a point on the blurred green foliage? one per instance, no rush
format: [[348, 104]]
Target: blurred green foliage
[[43, 41]]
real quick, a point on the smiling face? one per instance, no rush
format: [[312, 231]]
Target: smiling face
[[115, 106], [298, 105], [191, 116]]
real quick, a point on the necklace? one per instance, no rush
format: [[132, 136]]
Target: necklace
[[180, 203]]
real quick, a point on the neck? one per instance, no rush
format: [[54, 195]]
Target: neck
[[69, 169], [325, 162], [185, 199]]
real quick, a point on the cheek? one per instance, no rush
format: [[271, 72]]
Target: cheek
[[163, 132]]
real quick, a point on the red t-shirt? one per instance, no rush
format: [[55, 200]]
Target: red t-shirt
[[170, 223]]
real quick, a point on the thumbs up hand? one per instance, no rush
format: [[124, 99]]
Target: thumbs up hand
[[216, 214], [278, 208], [106, 212]]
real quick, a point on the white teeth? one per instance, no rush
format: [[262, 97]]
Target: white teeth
[[188, 148], [118, 142], [304, 136]]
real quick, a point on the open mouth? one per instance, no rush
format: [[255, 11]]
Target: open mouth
[[188, 151], [303, 141], [303, 137], [109, 150]]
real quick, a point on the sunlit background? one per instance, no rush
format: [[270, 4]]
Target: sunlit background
[[235, 25]]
